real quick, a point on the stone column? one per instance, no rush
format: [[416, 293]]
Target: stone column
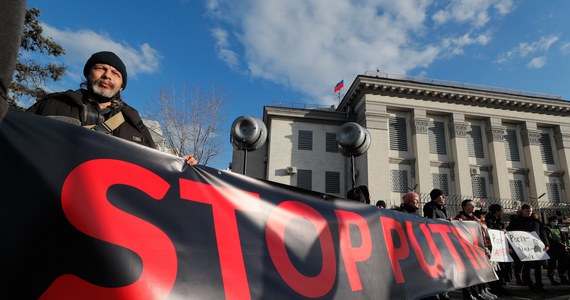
[[461, 170], [497, 157], [562, 138], [373, 167], [533, 159], [420, 146]]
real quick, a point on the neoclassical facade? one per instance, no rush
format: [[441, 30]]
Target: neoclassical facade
[[470, 141]]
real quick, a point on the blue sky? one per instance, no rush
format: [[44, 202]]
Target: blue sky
[[261, 51]]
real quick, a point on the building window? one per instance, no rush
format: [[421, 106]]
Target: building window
[[332, 182], [305, 179], [479, 189], [398, 134], [516, 190], [305, 140], [437, 138], [399, 180], [475, 142], [546, 149], [441, 182], [553, 192], [331, 143], [511, 145]]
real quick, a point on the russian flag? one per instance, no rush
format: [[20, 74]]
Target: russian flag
[[338, 86]]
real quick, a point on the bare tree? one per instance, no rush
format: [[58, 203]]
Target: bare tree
[[191, 121]]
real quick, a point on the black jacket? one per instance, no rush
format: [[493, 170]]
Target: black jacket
[[73, 104], [433, 210], [529, 224], [494, 223]]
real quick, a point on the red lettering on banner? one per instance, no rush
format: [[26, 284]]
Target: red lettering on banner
[[467, 246], [350, 254], [444, 230], [478, 259], [307, 286], [479, 251], [436, 269], [390, 225], [225, 201], [87, 208]]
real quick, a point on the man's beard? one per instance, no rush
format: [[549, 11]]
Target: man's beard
[[102, 92]]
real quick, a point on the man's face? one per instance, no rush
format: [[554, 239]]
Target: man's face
[[469, 207], [499, 214], [105, 80], [440, 200], [415, 202], [527, 212]]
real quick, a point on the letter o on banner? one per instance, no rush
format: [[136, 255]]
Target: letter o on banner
[[352, 139], [312, 287], [248, 133]]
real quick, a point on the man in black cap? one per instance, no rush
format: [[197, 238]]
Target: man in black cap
[[98, 104], [98, 101], [435, 209]]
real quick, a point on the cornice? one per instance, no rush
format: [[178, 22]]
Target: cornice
[[456, 95]]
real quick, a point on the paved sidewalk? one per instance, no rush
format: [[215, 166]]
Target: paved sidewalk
[[560, 292]]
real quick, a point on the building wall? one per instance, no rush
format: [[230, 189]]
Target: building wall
[[474, 142]]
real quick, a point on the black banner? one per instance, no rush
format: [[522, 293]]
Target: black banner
[[90, 216]]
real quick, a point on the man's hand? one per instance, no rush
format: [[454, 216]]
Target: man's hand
[[190, 160]]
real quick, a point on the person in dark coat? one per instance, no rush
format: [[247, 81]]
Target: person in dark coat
[[410, 203], [435, 209], [98, 104], [529, 223], [494, 220]]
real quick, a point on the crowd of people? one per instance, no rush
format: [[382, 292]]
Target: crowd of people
[[556, 241]]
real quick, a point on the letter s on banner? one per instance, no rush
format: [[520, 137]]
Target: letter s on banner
[[283, 214], [87, 208]]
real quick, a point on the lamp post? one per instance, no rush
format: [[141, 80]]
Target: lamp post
[[247, 134], [353, 140]]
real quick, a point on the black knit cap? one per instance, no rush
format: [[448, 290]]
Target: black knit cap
[[435, 193], [109, 58]]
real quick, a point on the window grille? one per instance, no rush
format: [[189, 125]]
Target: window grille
[[305, 140], [546, 149], [479, 188], [398, 134], [517, 192], [441, 182], [399, 180], [305, 179], [511, 146], [475, 142], [332, 182], [331, 145], [436, 134], [553, 192]]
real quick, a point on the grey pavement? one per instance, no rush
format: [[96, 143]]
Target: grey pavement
[[560, 292]]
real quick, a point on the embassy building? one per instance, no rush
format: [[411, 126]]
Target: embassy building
[[488, 144]]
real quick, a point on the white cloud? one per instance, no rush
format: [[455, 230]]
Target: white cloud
[[456, 45], [311, 45], [475, 12], [565, 48], [524, 49], [222, 46], [79, 45], [537, 62]]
